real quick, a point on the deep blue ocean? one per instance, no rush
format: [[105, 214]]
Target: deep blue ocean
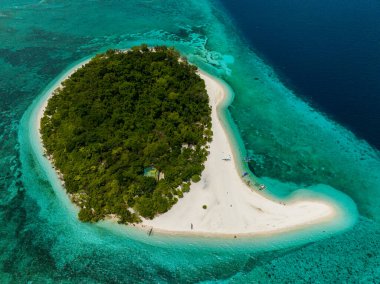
[[306, 108], [326, 51]]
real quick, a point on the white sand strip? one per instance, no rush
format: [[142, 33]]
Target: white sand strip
[[232, 206], [51, 92]]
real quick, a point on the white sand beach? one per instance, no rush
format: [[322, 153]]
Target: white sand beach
[[232, 206]]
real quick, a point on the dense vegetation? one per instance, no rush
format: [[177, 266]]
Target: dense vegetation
[[119, 114]]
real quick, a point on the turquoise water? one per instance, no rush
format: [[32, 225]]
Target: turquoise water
[[294, 146]]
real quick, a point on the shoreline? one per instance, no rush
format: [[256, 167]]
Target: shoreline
[[328, 211], [183, 211]]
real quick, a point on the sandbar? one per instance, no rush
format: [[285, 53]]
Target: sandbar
[[233, 206]]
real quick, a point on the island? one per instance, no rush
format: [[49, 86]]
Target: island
[[128, 133], [139, 137]]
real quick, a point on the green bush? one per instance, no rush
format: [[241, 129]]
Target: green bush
[[196, 178], [186, 187]]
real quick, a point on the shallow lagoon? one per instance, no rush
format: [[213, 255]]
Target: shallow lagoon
[[42, 241]]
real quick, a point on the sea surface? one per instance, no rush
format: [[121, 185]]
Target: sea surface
[[289, 114], [326, 51]]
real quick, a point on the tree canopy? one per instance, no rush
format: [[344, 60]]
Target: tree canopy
[[119, 114]]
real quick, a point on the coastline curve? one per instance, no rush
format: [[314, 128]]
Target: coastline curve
[[347, 213]]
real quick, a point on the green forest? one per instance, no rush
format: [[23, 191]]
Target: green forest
[[120, 114]]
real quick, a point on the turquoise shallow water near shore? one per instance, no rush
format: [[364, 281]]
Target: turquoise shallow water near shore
[[297, 146], [346, 209]]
